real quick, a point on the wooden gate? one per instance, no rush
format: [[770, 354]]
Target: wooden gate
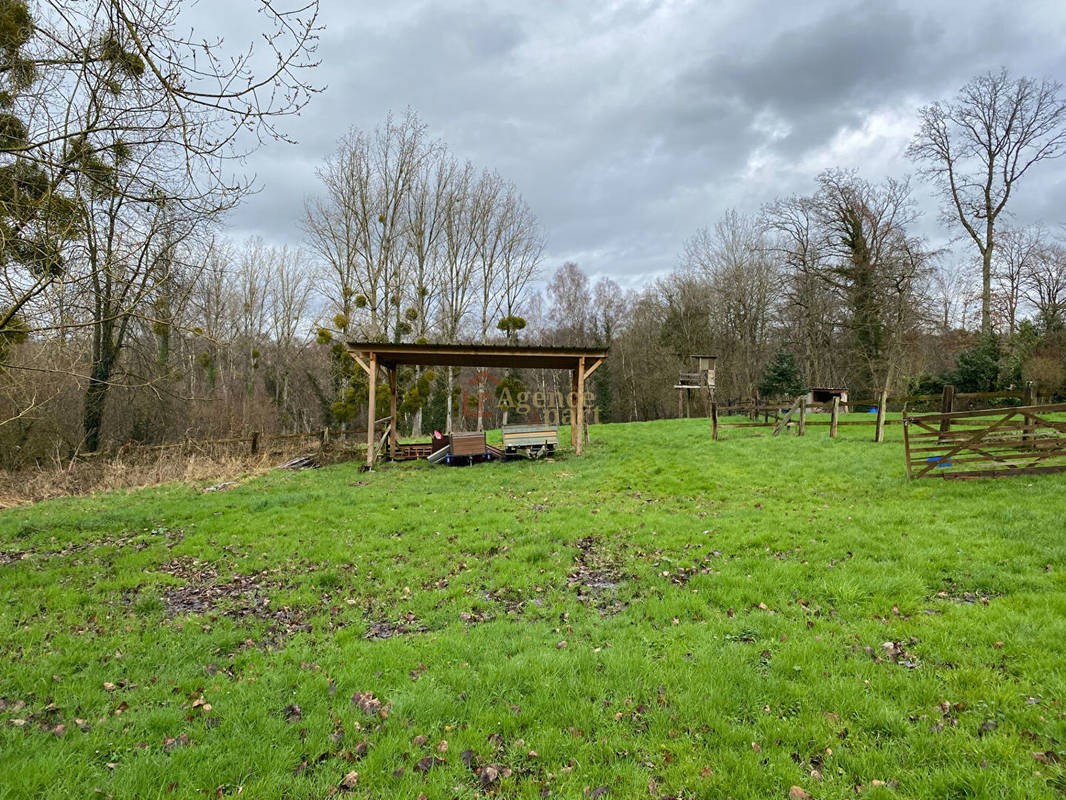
[[989, 443]]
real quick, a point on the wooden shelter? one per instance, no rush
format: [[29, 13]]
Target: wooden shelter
[[820, 395], [581, 361]]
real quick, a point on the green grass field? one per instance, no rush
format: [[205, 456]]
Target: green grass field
[[665, 617]]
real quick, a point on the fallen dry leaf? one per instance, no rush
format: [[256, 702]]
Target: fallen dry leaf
[[370, 705], [349, 781], [797, 793]]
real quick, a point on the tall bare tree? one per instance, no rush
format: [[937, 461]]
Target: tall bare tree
[[360, 226], [977, 147]]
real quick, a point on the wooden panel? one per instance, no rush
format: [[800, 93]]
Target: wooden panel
[[468, 444]]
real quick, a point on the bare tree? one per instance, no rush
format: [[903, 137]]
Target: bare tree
[[571, 306], [745, 289], [289, 289], [1016, 255], [978, 146], [811, 313], [360, 227], [952, 286], [1045, 286]]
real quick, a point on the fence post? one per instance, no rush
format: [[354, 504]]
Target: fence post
[[879, 432], [255, 442], [1030, 400], [323, 437], [802, 429], [947, 405], [714, 421], [833, 418]]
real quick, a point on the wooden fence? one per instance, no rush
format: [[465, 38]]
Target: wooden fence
[[797, 415], [254, 440], [988, 443]]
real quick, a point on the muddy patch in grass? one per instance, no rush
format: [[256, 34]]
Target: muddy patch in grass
[[953, 593], [387, 629], [136, 540], [597, 576], [239, 597]]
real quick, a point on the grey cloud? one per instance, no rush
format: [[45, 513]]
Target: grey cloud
[[628, 125]]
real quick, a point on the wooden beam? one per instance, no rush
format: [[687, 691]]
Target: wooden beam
[[580, 404], [361, 363], [782, 423], [372, 373], [594, 367], [834, 419], [393, 438], [477, 355]]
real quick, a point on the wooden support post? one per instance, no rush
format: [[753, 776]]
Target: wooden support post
[[580, 410], [882, 402], [680, 403], [255, 442], [572, 397], [714, 421], [323, 438], [393, 437], [802, 429], [834, 417], [947, 405], [1029, 400], [371, 410]]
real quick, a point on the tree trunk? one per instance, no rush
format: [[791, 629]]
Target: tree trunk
[[95, 398], [448, 417], [986, 287]]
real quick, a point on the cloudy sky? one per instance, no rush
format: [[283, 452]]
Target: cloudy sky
[[629, 125]]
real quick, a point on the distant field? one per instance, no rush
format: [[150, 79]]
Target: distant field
[[665, 617]]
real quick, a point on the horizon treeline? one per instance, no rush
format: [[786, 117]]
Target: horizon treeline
[[127, 314]]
